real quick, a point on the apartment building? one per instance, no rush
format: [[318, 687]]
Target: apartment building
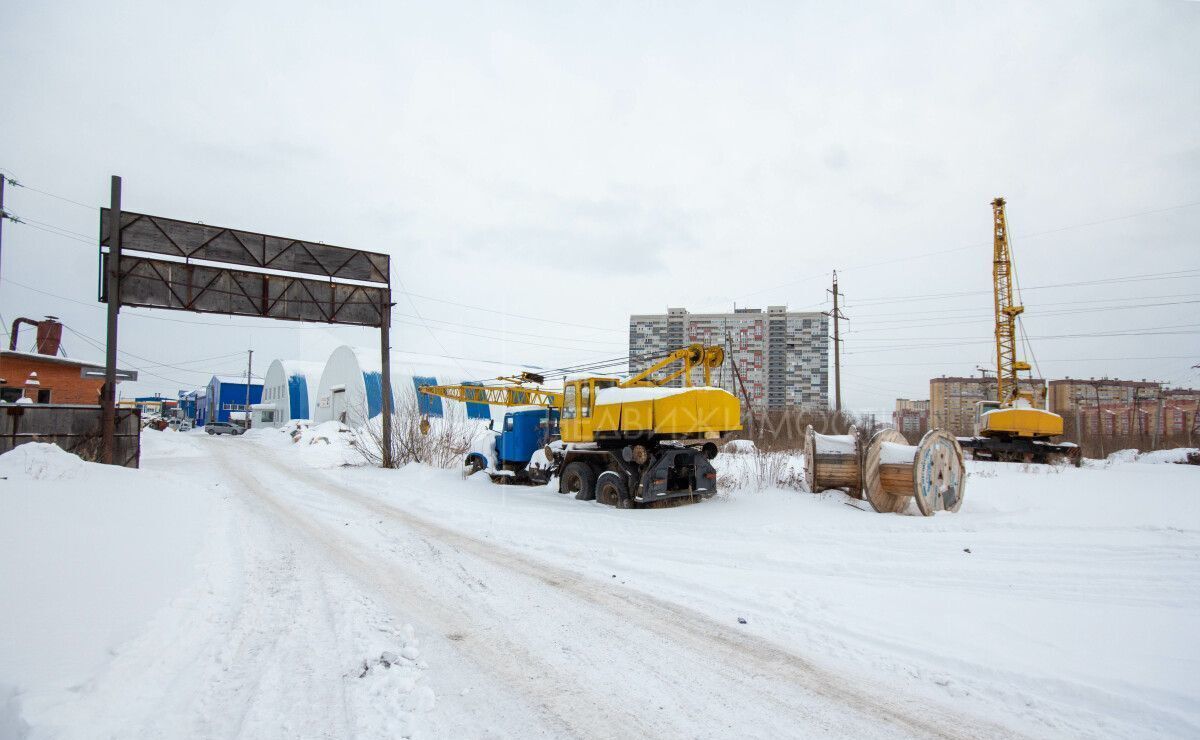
[[911, 417], [1112, 406], [952, 400], [779, 357]]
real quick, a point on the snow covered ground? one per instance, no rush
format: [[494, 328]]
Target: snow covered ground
[[255, 587]]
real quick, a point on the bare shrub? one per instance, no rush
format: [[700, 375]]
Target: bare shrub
[[759, 470], [444, 445]]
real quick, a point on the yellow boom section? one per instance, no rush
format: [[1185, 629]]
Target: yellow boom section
[[496, 395], [640, 408], [1007, 364], [688, 358]]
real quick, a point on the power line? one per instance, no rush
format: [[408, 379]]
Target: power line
[[504, 313], [96, 345], [978, 245], [509, 331], [15, 183], [1071, 359], [1193, 272]]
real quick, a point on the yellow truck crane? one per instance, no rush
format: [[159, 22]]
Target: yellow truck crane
[[1012, 428], [621, 441]]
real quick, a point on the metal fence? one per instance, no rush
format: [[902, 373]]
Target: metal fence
[[74, 428]]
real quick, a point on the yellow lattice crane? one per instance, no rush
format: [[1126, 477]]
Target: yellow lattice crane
[[1012, 428], [1008, 367]]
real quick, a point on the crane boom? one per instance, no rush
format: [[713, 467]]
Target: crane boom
[[1007, 364], [496, 395]]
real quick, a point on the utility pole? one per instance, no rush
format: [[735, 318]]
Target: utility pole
[[249, 364], [738, 378], [3, 215], [836, 314], [112, 277]]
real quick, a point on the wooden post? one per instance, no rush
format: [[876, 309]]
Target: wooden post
[[385, 350], [112, 277]]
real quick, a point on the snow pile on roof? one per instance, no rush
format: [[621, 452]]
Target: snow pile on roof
[[238, 379], [39, 461], [646, 393]]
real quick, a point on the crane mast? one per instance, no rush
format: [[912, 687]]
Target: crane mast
[[1007, 364]]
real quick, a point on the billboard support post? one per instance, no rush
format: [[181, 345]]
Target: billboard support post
[[112, 283]]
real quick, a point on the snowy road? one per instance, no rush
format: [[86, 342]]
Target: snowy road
[[255, 588], [537, 647]]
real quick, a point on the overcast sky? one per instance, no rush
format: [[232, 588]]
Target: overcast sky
[[578, 163]]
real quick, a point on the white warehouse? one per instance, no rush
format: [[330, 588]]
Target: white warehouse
[[289, 392], [351, 388]]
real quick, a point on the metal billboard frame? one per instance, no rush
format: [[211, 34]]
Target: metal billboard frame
[[189, 266]]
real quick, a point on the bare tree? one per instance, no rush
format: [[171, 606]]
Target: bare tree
[[441, 441]]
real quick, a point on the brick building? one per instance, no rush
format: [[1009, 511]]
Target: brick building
[[1115, 407], [57, 381], [782, 356], [952, 400], [44, 376]]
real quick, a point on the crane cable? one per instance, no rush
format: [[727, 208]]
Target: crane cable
[[1020, 299]]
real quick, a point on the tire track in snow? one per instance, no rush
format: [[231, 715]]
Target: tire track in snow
[[509, 662], [740, 658]]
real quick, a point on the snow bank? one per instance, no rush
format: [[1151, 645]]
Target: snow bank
[[738, 446], [40, 461], [326, 445], [1177, 455], [88, 554]]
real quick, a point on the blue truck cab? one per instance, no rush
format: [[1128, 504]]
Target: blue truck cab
[[521, 434]]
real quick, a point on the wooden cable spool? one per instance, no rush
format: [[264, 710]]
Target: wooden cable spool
[[932, 472], [833, 461]]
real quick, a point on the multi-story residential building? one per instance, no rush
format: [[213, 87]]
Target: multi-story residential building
[[1179, 409], [1111, 406], [781, 356], [952, 400], [911, 417]]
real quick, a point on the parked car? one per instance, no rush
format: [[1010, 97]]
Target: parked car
[[223, 427]]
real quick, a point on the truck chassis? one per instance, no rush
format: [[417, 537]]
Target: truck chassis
[[634, 474]]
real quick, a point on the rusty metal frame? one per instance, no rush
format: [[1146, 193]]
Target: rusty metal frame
[[195, 241], [157, 262], [154, 283]]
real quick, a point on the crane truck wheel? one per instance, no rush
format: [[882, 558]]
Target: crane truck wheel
[[473, 464], [611, 490], [578, 478]]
